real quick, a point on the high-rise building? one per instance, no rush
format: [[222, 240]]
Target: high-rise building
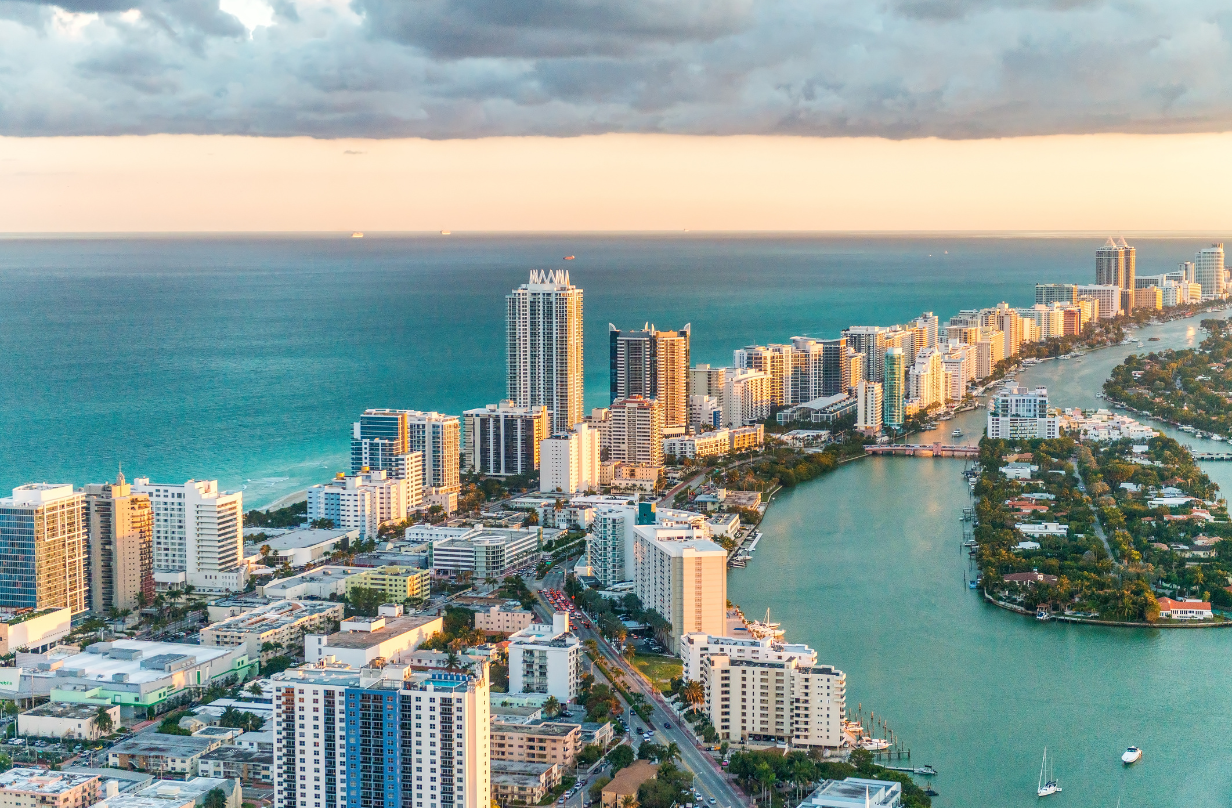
[[120, 534], [653, 364], [503, 439], [1017, 412], [746, 397], [870, 341], [362, 501], [379, 436], [869, 406], [438, 438], [421, 447], [836, 368], [569, 461], [381, 738], [894, 388], [635, 434], [43, 548], [546, 659], [1109, 298], [544, 346], [1049, 293], [1009, 324], [931, 326], [1115, 264], [705, 380], [609, 544], [199, 531], [1209, 271], [926, 380], [775, 360], [683, 577]]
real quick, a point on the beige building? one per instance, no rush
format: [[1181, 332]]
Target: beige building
[[635, 434], [652, 364], [1152, 297], [364, 639], [43, 527], [498, 619], [746, 398], [522, 783], [120, 532], [775, 701], [683, 577], [546, 742], [281, 625], [27, 788], [569, 461], [34, 631], [62, 719]]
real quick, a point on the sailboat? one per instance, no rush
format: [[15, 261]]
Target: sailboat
[[1048, 784]]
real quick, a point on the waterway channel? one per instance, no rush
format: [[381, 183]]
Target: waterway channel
[[865, 566]]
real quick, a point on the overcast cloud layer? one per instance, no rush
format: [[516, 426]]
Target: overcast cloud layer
[[471, 68]]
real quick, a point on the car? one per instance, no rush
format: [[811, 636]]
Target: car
[[713, 800], [724, 763], [666, 725], [560, 801]]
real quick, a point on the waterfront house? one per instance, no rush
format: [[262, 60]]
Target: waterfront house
[[1030, 578], [1184, 609], [1042, 529], [856, 792], [1019, 471], [1027, 545]]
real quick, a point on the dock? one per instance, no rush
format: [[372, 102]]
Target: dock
[[923, 450], [1212, 455]]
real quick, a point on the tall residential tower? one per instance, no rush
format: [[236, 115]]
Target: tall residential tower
[[42, 548], [544, 346], [652, 364], [120, 530]]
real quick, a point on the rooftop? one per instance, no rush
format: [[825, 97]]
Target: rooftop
[[139, 660], [65, 709], [238, 754], [42, 781], [158, 744], [195, 788], [629, 778], [366, 639], [304, 538], [547, 728], [273, 616]]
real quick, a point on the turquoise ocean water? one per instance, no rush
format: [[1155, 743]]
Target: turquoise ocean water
[[247, 358]]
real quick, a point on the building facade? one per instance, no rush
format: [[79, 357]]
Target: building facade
[[120, 559], [1209, 272], [43, 548], [894, 388], [683, 577], [546, 659], [635, 434], [198, 529], [503, 439], [544, 346], [1017, 412], [652, 364], [569, 461]]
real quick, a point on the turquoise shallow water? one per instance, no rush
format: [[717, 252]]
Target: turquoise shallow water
[[868, 570], [247, 358]]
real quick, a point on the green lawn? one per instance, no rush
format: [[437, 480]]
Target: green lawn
[[659, 669]]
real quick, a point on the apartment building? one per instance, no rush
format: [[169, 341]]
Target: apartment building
[[683, 577], [120, 534], [747, 397], [569, 461], [544, 346], [635, 434], [361, 640], [280, 625], [652, 364], [1017, 412], [503, 619], [538, 742], [546, 659], [26, 787], [503, 439], [362, 501]]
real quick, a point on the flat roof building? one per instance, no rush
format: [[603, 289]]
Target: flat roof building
[[364, 639], [162, 754], [282, 624], [855, 792], [546, 659], [47, 789], [299, 548], [683, 577], [317, 583], [43, 548], [59, 719]]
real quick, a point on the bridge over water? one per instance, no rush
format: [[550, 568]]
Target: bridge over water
[[923, 450]]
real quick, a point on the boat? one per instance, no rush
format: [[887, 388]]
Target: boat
[[568, 257], [1042, 613], [357, 234], [444, 232], [1048, 784], [973, 584], [1132, 755], [1152, 339], [874, 744], [957, 433]]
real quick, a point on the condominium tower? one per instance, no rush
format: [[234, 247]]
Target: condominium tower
[[1209, 271], [386, 440], [683, 577], [503, 439], [635, 434], [120, 530], [544, 346], [1115, 264], [43, 548], [894, 388], [653, 364]]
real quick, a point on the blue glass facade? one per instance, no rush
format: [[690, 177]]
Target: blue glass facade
[[18, 581]]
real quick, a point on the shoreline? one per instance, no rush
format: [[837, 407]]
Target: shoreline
[[1064, 618]]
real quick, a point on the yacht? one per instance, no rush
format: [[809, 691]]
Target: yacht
[[357, 234], [1132, 755], [957, 433], [1048, 784]]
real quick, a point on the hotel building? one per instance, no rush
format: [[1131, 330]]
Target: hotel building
[[503, 439], [683, 577], [198, 531]]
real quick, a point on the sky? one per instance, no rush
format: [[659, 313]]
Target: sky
[[596, 114]]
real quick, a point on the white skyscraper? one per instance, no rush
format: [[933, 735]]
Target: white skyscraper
[[544, 346], [198, 531], [1208, 271]]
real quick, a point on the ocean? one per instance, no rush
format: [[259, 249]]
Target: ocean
[[246, 358]]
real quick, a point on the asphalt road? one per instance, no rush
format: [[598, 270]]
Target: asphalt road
[[667, 727]]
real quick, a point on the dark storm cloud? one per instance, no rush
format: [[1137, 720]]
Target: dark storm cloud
[[472, 68]]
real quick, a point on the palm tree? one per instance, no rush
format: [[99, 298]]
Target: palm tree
[[693, 693], [551, 707], [451, 660], [103, 719], [671, 752], [628, 801]]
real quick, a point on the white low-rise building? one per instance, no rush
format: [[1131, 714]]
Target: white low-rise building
[[1103, 425], [299, 548], [546, 659], [1042, 529], [363, 639], [34, 631], [321, 582], [855, 792], [58, 719], [281, 625]]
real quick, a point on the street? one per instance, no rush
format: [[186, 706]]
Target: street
[[708, 778]]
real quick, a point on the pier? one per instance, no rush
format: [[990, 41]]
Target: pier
[[923, 450], [1212, 455]]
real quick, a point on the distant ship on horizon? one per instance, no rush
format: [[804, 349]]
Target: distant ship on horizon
[[357, 234]]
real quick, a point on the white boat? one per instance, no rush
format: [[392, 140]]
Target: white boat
[[357, 234], [1132, 755], [1048, 784], [957, 433], [874, 744]]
